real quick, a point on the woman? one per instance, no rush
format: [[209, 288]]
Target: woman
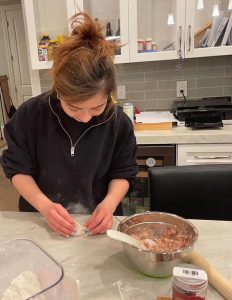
[[72, 150]]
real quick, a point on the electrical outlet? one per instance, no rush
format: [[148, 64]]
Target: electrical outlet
[[121, 92], [181, 85]]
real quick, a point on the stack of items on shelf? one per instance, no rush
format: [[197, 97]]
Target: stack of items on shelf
[[113, 38], [219, 34], [147, 45], [46, 46]]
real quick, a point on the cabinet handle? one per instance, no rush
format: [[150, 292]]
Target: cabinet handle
[[212, 157], [180, 38], [189, 37]]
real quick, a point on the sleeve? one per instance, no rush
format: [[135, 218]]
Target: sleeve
[[123, 164], [17, 159]]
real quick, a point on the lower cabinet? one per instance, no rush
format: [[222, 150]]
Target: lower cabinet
[[147, 156], [200, 154]]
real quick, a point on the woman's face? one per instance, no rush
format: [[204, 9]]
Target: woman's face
[[84, 111]]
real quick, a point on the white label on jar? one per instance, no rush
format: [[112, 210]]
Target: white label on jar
[[190, 273], [150, 162]]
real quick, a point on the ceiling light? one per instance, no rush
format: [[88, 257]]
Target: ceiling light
[[215, 10], [230, 5], [200, 4], [170, 21]]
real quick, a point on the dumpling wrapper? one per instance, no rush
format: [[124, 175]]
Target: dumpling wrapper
[[80, 229]]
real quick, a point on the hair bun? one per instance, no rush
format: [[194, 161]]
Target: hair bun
[[86, 30]]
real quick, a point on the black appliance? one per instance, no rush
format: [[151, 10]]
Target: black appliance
[[204, 113]]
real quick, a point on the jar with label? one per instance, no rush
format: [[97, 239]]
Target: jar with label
[[140, 43], [154, 46], [189, 283], [148, 44], [42, 53]]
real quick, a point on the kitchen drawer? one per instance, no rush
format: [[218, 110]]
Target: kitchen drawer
[[204, 154]]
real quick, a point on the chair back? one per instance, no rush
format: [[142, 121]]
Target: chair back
[[194, 192]]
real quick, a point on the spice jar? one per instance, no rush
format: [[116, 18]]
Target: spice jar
[[154, 46], [140, 45], [149, 44], [189, 283]]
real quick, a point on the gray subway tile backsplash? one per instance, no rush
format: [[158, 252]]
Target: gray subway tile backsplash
[[152, 85]]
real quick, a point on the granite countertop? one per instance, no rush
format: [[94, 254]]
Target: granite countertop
[[185, 135], [100, 263]]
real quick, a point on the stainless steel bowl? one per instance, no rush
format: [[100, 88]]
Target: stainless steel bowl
[[157, 264]]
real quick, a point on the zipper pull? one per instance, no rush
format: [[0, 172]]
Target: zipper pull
[[72, 151]]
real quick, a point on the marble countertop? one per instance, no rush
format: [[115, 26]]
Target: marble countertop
[[185, 135], [101, 265]]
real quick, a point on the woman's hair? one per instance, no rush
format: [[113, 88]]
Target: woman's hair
[[83, 64]]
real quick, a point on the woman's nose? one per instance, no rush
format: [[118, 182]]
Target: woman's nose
[[85, 117]]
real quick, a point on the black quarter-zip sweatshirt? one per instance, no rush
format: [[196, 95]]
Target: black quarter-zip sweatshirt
[[72, 162]]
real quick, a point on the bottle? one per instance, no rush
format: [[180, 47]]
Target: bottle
[[45, 39], [189, 282], [51, 46], [108, 30], [118, 32], [43, 52], [118, 41]]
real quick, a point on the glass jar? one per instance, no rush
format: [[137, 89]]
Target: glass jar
[[140, 45], [189, 283], [148, 44]]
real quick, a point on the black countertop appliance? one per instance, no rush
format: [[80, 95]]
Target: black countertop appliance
[[203, 113]]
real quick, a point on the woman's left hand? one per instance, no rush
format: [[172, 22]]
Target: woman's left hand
[[102, 217]]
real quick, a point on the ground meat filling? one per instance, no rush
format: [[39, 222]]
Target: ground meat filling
[[170, 240]]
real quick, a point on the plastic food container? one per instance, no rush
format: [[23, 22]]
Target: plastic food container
[[20, 255]]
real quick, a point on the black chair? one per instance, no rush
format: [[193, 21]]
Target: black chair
[[194, 192]]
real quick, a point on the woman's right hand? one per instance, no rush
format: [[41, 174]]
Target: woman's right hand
[[59, 219]]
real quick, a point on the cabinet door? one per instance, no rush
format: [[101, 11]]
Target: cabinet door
[[42, 16], [114, 12], [162, 22], [204, 154], [208, 35]]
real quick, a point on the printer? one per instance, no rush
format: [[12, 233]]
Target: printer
[[203, 113]]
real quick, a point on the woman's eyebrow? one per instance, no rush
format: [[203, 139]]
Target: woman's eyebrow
[[73, 106]]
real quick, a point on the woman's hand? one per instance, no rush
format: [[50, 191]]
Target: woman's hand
[[102, 217], [59, 219]]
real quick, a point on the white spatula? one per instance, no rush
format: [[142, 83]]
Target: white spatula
[[122, 237]]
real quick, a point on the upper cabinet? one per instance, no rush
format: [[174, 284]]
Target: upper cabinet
[[170, 29], [45, 18], [49, 20], [113, 15], [208, 29], [147, 29], [156, 29]]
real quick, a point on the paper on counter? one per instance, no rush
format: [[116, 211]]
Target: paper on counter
[[154, 117]]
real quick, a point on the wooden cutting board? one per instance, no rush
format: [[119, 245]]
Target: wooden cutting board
[[152, 126]]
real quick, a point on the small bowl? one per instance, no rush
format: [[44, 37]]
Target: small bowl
[[151, 263]]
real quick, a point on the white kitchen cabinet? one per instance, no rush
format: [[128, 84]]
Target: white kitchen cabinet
[[197, 22], [53, 18], [199, 154], [138, 19], [114, 12], [148, 19], [42, 16]]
